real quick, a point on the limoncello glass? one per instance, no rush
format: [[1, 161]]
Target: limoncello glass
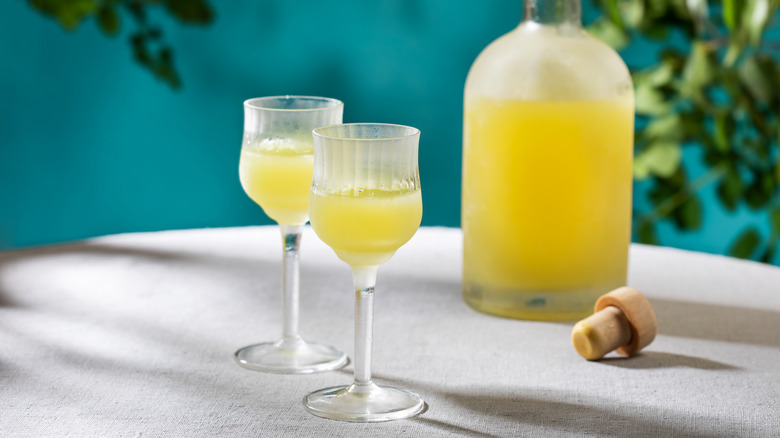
[[275, 171], [365, 204]]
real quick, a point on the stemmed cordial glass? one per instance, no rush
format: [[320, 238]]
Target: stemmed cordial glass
[[275, 171], [365, 203]]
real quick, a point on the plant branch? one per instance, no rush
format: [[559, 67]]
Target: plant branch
[[671, 203]]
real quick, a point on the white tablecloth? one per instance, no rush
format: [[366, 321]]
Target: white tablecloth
[[133, 335]]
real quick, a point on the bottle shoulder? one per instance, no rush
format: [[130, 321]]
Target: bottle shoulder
[[548, 63]]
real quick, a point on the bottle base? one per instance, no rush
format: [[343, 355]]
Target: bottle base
[[535, 305]]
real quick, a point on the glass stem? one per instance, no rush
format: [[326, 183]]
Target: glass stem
[[364, 279], [291, 242]]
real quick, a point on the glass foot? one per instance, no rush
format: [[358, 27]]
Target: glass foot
[[290, 358], [363, 403]]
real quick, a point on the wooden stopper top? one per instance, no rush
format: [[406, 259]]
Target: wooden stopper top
[[639, 314], [623, 320]]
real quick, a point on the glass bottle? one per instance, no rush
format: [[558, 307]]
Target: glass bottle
[[547, 163]]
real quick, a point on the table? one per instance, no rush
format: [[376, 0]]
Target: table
[[132, 336]]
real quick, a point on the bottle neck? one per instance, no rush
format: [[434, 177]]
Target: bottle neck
[[553, 12]]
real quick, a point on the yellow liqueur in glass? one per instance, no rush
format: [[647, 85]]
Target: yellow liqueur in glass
[[547, 163], [364, 226], [275, 169], [276, 174], [365, 204]]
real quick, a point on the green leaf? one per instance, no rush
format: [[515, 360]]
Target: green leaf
[[665, 189], [68, 13], [658, 8], [656, 76], [609, 33], [641, 170], [159, 62], [632, 12], [649, 101], [769, 254], [724, 129], [693, 125], [612, 10], [688, 215], [753, 75], [657, 31], [646, 233], [164, 68], [108, 20], [754, 19], [774, 217], [760, 191], [190, 11], [698, 70], [731, 189], [777, 169], [732, 11], [666, 127], [661, 158], [746, 244], [733, 53], [139, 43]]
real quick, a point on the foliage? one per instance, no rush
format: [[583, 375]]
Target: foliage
[[147, 42], [716, 87]]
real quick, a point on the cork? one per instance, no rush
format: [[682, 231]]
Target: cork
[[623, 320]]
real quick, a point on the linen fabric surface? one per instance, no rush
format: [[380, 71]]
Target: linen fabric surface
[[133, 336]]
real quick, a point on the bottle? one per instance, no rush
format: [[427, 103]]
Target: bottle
[[547, 168]]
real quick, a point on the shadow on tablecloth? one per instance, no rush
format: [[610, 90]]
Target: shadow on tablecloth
[[717, 322], [512, 413], [657, 359]]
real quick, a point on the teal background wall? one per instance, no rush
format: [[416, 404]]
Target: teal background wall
[[92, 144]]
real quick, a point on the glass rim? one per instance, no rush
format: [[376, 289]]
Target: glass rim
[[251, 103], [413, 132]]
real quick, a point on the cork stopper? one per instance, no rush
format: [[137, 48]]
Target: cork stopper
[[623, 319]]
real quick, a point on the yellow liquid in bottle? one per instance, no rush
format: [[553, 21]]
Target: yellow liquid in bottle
[[366, 227], [276, 174], [547, 205]]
